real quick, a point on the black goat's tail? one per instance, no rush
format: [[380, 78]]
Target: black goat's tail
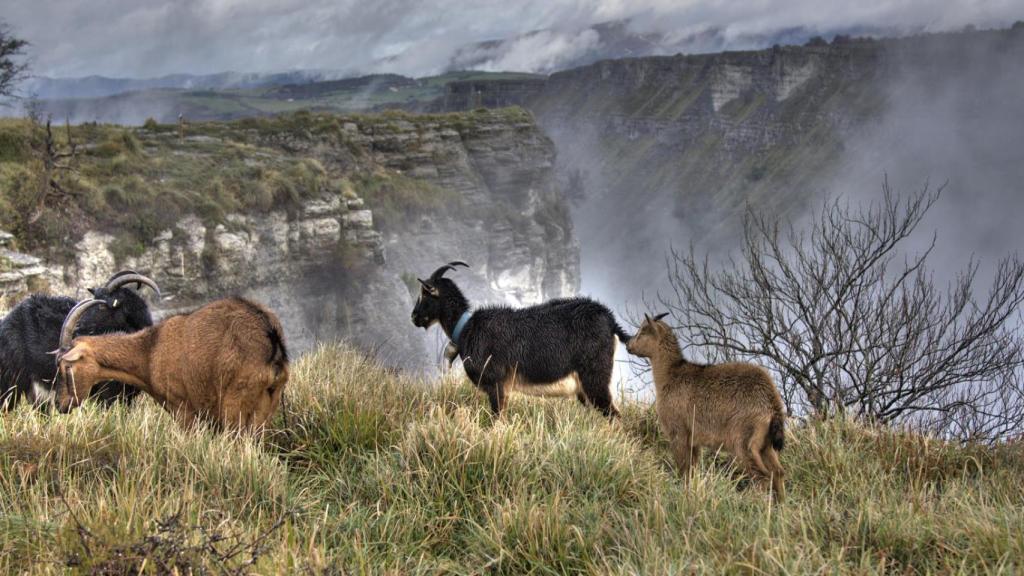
[[618, 331], [777, 431]]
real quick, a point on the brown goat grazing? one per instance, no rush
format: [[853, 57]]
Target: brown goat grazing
[[733, 407], [224, 363]]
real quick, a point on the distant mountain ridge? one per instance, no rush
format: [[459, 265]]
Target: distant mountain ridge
[[569, 48], [575, 47], [100, 86]]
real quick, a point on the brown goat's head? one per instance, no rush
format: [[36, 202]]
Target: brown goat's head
[[433, 293], [647, 340], [77, 368]]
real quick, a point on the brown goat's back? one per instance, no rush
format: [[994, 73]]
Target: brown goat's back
[[734, 407], [226, 361]]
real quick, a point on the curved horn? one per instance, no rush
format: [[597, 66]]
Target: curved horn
[[660, 316], [67, 330], [128, 277], [449, 266]]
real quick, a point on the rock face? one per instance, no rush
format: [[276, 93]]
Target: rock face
[[21, 273], [331, 270]]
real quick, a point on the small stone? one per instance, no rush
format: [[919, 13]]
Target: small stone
[[358, 219]]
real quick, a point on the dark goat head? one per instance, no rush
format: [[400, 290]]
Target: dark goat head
[[428, 306], [126, 310]]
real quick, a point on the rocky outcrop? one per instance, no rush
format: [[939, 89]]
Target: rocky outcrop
[[21, 274]]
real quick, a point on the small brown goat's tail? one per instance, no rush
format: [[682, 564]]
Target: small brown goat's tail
[[777, 431]]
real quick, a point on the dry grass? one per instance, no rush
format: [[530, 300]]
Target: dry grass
[[369, 472]]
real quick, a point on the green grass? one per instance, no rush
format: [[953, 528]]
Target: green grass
[[137, 182], [369, 472]]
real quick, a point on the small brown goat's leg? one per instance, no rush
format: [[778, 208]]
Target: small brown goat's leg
[[771, 458], [754, 464], [684, 455], [232, 413]]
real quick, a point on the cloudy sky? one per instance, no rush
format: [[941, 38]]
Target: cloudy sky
[[141, 38]]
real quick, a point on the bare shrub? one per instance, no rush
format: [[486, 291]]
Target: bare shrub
[[854, 324]]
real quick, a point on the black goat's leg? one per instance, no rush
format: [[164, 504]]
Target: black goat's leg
[[596, 384], [495, 394]]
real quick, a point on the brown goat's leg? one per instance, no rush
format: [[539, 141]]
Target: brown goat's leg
[[233, 414], [184, 416]]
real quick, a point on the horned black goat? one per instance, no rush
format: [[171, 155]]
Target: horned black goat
[[563, 347], [30, 334]]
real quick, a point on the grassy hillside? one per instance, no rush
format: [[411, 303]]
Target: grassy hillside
[[367, 471]]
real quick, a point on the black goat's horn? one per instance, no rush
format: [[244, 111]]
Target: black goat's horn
[[660, 316], [449, 266], [128, 277], [67, 330]]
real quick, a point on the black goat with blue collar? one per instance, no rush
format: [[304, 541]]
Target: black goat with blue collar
[[563, 347]]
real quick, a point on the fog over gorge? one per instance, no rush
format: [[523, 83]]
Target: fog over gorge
[[944, 113]]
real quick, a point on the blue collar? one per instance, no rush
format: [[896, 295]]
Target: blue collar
[[459, 326]]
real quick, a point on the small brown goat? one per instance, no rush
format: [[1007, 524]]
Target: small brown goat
[[733, 407], [224, 363]]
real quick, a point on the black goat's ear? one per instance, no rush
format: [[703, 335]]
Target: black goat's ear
[[91, 291], [429, 288]]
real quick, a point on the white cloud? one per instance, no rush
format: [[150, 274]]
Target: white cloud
[[149, 38]]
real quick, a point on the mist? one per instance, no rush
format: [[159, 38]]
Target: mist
[[952, 120], [949, 117]]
